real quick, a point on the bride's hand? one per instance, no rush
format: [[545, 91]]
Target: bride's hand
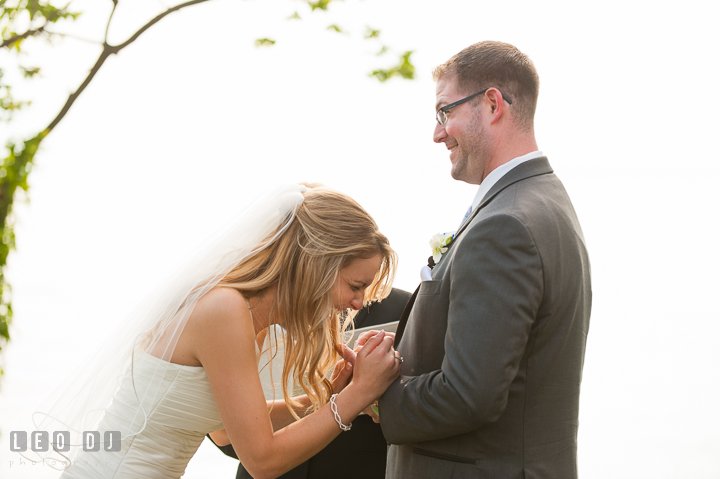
[[343, 369], [365, 337], [376, 366]]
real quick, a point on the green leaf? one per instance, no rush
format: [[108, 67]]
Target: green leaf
[[335, 28], [404, 69], [294, 16], [381, 75], [264, 42], [319, 5], [371, 33], [30, 72]]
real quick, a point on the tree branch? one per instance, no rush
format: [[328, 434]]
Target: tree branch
[[107, 27], [22, 36], [54, 15], [74, 37], [110, 50], [157, 19], [107, 51]]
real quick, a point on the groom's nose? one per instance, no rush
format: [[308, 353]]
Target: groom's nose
[[439, 134]]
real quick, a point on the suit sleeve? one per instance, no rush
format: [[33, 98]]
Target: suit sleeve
[[495, 292]]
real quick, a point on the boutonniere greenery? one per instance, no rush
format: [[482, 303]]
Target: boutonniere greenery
[[439, 244]]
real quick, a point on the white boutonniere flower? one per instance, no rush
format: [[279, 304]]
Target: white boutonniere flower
[[439, 244]]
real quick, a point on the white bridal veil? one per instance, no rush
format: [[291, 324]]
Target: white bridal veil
[[157, 323]]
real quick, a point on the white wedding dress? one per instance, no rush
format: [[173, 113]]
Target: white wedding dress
[[178, 419], [162, 410]]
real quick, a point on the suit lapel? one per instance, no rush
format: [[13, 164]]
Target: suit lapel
[[404, 317], [535, 167]]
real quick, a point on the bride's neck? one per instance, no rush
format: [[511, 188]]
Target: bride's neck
[[261, 307]]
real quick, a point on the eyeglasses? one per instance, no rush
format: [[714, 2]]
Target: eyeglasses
[[441, 114]]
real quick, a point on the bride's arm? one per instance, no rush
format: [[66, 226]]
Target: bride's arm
[[224, 344], [280, 416]]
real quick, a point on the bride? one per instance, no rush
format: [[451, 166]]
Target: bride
[[187, 363]]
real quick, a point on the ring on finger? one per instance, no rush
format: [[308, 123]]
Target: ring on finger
[[397, 356]]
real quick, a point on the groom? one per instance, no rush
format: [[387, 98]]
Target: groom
[[494, 343]]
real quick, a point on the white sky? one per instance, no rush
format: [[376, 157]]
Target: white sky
[[185, 126]]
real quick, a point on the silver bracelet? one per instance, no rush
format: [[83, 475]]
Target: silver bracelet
[[333, 407]]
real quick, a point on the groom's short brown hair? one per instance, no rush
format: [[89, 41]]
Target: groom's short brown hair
[[499, 65]]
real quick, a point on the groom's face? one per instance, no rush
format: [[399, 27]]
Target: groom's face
[[463, 133]]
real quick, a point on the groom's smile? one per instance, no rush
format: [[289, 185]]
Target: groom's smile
[[462, 132], [452, 149]]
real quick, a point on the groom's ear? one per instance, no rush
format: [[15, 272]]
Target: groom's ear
[[494, 105]]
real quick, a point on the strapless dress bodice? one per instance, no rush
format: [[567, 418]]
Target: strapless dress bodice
[[180, 411]]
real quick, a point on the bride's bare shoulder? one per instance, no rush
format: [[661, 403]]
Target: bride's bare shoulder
[[224, 297], [218, 317], [220, 305]]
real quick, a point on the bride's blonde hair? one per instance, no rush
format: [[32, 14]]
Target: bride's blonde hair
[[329, 231]]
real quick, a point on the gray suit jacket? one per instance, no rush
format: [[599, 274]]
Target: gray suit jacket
[[494, 344]]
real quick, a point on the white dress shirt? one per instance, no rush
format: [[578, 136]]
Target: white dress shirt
[[485, 186], [499, 172]]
